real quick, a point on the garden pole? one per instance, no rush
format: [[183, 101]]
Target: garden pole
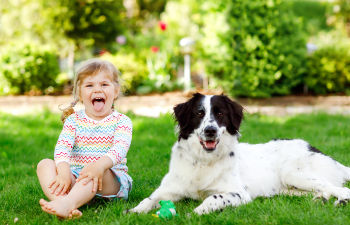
[[187, 48], [187, 72]]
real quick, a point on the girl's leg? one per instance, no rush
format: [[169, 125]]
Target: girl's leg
[[46, 172], [110, 184], [80, 194]]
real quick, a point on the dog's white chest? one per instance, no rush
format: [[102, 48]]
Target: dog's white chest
[[201, 181], [198, 179]]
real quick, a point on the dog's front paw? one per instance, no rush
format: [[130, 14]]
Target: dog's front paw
[[218, 202], [201, 210], [209, 205], [145, 206]]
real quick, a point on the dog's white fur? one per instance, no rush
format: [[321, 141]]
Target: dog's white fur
[[236, 173]]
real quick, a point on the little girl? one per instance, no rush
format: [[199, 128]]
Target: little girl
[[90, 154]]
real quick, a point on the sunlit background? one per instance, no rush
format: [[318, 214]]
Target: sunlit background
[[255, 48]]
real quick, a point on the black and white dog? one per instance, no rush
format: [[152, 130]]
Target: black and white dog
[[209, 163]]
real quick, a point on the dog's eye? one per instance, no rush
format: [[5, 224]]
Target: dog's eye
[[220, 114], [200, 114]]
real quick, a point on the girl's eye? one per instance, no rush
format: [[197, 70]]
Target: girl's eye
[[88, 85], [105, 84]]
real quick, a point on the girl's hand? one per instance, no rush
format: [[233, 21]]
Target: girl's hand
[[60, 185], [94, 172], [62, 182]]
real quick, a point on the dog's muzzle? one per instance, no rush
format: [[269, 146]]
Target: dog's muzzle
[[210, 132], [210, 142]]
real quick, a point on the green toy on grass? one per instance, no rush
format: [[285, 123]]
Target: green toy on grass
[[166, 211]]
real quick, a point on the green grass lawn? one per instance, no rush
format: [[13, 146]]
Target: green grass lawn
[[25, 140]]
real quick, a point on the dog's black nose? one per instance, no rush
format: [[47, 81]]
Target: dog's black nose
[[210, 131]]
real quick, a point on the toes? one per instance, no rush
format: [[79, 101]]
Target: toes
[[48, 210], [42, 202], [45, 206], [75, 214]]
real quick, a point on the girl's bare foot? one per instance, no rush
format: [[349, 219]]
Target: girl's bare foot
[[75, 214], [60, 207]]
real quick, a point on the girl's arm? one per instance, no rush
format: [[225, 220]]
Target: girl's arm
[[122, 140], [65, 141], [61, 184]]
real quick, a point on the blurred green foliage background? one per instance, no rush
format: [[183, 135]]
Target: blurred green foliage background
[[255, 48]]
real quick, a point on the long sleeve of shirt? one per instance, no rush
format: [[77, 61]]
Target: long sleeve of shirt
[[65, 143], [121, 141]]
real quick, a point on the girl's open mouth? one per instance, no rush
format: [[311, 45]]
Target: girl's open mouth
[[98, 103]]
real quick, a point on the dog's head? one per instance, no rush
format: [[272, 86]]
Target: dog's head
[[208, 117]]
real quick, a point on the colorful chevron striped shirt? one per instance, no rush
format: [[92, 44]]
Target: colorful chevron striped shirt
[[84, 140]]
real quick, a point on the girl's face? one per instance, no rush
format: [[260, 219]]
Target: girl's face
[[98, 92]]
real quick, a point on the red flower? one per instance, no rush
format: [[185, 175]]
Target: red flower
[[154, 49], [102, 52], [162, 25]]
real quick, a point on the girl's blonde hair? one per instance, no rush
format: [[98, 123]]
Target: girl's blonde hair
[[88, 68]]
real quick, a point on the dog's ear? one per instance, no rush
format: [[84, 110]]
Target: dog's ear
[[183, 114], [235, 115]]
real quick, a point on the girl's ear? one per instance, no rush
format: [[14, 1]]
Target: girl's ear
[[117, 90], [79, 94]]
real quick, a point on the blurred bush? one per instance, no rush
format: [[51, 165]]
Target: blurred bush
[[4, 86], [156, 52], [29, 68], [253, 48], [328, 71], [340, 16], [267, 49], [134, 70], [328, 68], [94, 22], [142, 75]]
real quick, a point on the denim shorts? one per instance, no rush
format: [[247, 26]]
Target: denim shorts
[[123, 178]]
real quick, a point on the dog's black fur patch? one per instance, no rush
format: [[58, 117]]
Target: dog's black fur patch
[[313, 149], [227, 113], [189, 115], [282, 139]]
